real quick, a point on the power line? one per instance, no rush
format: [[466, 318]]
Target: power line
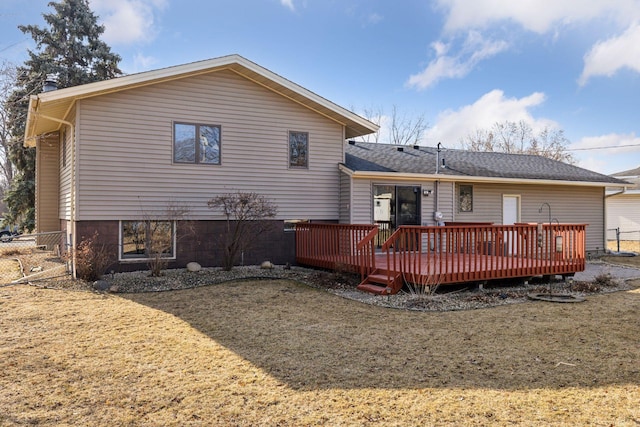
[[602, 148]]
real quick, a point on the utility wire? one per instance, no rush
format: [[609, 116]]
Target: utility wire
[[602, 148]]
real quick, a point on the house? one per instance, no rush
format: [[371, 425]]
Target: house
[[418, 185], [117, 156], [121, 157], [623, 211]]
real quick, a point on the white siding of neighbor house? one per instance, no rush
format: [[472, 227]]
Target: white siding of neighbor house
[[623, 211], [569, 204], [47, 183], [125, 150]]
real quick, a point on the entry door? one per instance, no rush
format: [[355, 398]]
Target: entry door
[[408, 206], [510, 209], [510, 215]]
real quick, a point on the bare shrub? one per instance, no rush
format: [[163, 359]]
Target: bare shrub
[[160, 233], [91, 259], [245, 213], [422, 285], [604, 280]]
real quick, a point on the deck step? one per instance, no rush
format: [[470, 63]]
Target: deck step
[[381, 283], [374, 289]]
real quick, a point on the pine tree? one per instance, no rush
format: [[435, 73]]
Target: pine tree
[[70, 48]]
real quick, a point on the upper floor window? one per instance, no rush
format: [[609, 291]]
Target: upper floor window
[[465, 198], [298, 149], [193, 143]]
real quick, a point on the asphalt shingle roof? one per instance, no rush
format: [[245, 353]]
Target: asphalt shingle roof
[[372, 157], [632, 176]]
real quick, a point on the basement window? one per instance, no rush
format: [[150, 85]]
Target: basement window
[[290, 224], [146, 239]]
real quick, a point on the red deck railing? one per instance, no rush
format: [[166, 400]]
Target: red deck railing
[[458, 253], [337, 246], [450, 254]]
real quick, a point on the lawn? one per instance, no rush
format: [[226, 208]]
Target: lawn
[[279, 353]]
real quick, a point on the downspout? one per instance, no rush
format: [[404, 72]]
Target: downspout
[[73, 186]]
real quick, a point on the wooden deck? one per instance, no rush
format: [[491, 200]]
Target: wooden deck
[[431, 256]]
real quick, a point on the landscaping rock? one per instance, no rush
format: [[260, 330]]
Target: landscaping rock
[[101, 285], [266, 265], [194, 267]]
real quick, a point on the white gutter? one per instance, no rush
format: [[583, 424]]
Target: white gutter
[[466, 178]]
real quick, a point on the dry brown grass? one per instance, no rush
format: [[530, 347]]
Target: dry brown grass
[[281, 353], [625, 245]]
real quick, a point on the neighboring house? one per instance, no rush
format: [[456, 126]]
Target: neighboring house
[[417, 185], [115, 156], [623, 207]]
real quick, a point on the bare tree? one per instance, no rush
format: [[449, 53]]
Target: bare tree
[[405, 131], [245, 214], [7, 82], [374, 115], [520, 138]]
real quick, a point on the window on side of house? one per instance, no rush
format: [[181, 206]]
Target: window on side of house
[[298, 149], [465, 198], [196, 143], [144, 239]]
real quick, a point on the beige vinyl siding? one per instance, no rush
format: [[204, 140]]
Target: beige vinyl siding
[[126, 149], [345, 198], [47, 158], [569, 204], [623, 211], [361, 201], [64, 210], [446, 200]]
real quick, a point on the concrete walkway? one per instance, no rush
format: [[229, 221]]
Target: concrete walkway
[[594, 268]]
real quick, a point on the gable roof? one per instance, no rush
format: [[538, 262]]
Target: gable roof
[[633, 177], [48, 109], [371, 159]]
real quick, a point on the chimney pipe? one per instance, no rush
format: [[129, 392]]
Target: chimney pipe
[[50, 83]]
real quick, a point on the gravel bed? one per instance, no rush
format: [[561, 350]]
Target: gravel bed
[[447, 298]]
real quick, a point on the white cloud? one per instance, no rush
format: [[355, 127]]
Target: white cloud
[[549, 17], [289, 4], [143, 63], [374, 18], [538, 16], [609, 153], [609, 56], [128, 21], [453, 126], [474, 49]]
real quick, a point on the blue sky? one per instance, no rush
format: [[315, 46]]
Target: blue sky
[[462, 64]]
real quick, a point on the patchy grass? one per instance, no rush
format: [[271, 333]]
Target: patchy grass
[[281, 353]]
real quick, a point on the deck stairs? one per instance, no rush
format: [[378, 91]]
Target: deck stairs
[[381, 283]]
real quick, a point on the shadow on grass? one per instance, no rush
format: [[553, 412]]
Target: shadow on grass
[[312, 340]]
